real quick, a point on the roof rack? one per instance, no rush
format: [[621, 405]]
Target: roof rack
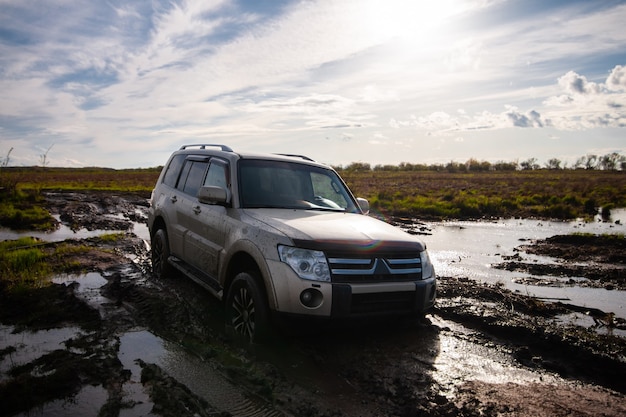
[[306, 158], [204, 146]]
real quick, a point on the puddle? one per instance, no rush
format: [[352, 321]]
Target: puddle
[[64, 232], [469, 249], [87, 402], [29, 346], [584, 320], [462, 359], [199, 376], [88, 289]]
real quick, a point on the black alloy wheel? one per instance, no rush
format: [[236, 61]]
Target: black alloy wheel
[[160, 254], [247, 312]]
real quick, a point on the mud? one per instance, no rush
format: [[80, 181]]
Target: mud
[[483, 351], [600, 260]]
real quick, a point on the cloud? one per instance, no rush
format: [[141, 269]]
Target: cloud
[[441, 123], [530, 119], [577, 84], [617, 80], [586, 105], [582, 105]]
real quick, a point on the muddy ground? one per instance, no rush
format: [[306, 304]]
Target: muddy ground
[[483, 351]]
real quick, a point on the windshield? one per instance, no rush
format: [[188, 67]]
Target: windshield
[[277, 184]]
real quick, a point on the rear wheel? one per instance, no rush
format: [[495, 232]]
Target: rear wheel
[[246, 309], [160, 254]]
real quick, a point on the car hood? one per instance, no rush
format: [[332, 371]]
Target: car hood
[[321, 229]]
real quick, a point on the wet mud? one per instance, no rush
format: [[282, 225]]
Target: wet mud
[[483, 351], [600, 260]]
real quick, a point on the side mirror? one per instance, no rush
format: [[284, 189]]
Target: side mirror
[[364, 205], [211, 194]]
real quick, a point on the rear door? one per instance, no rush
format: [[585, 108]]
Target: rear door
[[204, 242], [192, 176]]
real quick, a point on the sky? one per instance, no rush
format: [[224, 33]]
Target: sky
[[122, 84]]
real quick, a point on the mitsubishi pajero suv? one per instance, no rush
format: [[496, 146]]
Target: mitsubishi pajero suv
[[281, 234]]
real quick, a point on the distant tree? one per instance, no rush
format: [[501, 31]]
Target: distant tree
[[44, 157], [473, 164], [611, 161], [529, 164], [454, 166], [553, 163], [587, 162], [5, 161], [505, 166], [405, 166], [358, 167]]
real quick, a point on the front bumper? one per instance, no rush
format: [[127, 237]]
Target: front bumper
[[346, 300]]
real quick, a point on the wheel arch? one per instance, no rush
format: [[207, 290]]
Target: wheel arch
[[158, 223], [247, 258]]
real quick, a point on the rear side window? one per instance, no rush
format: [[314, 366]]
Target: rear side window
[[192, 177], [173, 169]]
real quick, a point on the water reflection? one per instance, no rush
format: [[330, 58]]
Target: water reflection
[[199, 376], [64, 232], [463, 359]]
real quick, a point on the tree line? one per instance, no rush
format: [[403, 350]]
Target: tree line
[[610, 162]]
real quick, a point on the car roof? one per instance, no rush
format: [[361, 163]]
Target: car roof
[[228, 153]]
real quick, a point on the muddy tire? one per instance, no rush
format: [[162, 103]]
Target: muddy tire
[[161, 268], [247, 314]]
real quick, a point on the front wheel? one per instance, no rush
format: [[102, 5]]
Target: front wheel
[[246, 309], [161, 267]]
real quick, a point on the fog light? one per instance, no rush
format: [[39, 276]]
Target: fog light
[[311, 298]]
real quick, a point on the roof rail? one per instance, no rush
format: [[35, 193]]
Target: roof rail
[[204, 146], [306, 158]]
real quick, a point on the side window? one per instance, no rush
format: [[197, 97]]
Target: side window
[[217, 174], [173, 169], [192, 176], [326, 187]]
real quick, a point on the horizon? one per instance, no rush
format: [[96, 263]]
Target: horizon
[[532, 164]]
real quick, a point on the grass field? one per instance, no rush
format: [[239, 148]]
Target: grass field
[[557, 194]]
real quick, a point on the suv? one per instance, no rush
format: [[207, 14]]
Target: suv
[[281, 234]]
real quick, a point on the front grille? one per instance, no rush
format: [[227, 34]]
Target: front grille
[[377, 268]]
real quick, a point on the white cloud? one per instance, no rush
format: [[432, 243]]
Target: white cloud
[[617, 80]]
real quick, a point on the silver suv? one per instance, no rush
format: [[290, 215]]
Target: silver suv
[[281, 234]]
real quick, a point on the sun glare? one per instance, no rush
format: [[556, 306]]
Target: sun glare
[[388, 19]]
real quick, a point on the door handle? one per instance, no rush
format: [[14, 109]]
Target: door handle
[[173, 199], [196, 209]]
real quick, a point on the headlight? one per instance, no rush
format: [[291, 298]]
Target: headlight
[[427, 266], [308, 264]]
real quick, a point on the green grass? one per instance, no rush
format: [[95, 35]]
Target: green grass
[[23, 211], [557, 194], [22, 263], [28, 262]]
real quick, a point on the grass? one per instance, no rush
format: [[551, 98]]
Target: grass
[[556, 194], [22, 210], [29, 262], [22, 263], [140, 181]]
